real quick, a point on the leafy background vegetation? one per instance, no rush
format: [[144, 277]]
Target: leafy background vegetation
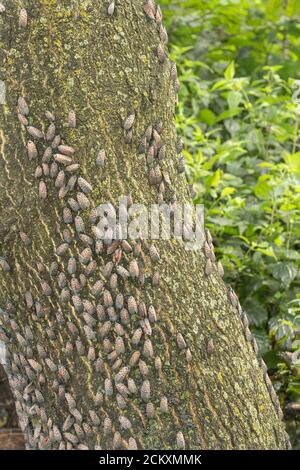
[[238, 114]]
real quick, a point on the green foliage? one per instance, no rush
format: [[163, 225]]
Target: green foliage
[[238, 114]]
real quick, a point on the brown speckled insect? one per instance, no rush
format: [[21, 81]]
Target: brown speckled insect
[[111, 8], [31, 150], [25, 239], [22, 119], [152, 314], [163, 34], [100, 160], [132, 445], [42, 190], [83, 201], [210, 347], [220, 269], [63, 159], [67, 215], [56, 141], [72, 119], [149, 9], [50, 116], [180, 441], [23, 106], [129, 121], [145, 391], [161, 53], [208, 267], [50, 133], [84, 185], [35, 133], [181, 341], [23, 18]]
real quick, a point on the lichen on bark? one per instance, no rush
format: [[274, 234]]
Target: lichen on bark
[[73, 55]]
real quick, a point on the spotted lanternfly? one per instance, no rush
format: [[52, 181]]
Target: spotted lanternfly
[[62, 249], [84, 185], [154, 255], [42, 190], [47, 155], [111, 9], [232, 297], [122, 272], [97, 288], [83, 201], [150, 410], [23, 18], [132, 445], [72, 119], [60, 179], [50, 133], [34, 132], [161, 53], [50, 116], [149, 9], [158, 15], [143, 146], [210, 347], [134, 269], [208, 267], [157, 139], [164, 405], [248, 334], [119, 346], [148, 349], [67, 215], [180, 440], [66, 150], [79, 224], [181, 341], [131, 386], [46, 169], [53, 170], [63, 159], [23, 106], [137, 336], [142, 310], [181, 166], [113, 282], [56, 142], [176, 85], [31, 150], [163, 34], [46, 289], [129, 121], [128, 136], [73, 167], [126, 246], [22, 119], [107, 270], [28, 299], [220, 269], [152, 314], [132, 305], [134, 358], [148, 133], [100, 160], [145, 391], [25, 239], [72, 181]]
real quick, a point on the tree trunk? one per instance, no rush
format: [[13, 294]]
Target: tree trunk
[[73, 354]]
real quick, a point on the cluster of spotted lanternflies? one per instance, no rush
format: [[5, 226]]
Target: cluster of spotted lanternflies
[[119, 323]]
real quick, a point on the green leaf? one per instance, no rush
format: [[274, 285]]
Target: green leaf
[[233, 99], [230, 71], [262, 190], [284, 272]]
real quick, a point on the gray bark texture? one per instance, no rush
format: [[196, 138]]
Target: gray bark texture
[[157, 354]]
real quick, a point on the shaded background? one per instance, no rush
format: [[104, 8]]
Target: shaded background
[[238, 114]]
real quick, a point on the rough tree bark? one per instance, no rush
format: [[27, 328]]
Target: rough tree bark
[[74, 357]]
